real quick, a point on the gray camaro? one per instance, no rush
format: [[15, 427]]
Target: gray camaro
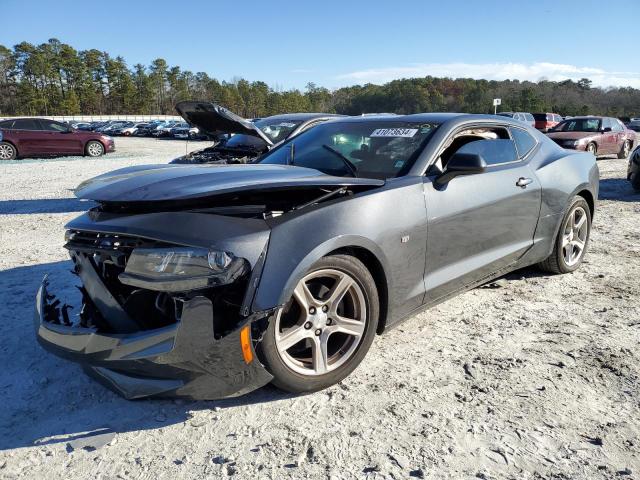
[[206, 281]]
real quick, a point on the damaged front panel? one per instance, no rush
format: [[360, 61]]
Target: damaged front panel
[[168, 276]]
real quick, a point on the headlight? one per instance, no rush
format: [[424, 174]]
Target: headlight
[[181, 268]]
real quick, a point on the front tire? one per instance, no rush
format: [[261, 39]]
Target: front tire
[[7, 151], [325, 330], [625, 150], [572, 240], [94, 149], [592, 148]]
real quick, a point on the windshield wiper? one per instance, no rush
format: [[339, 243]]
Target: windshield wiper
[[350, 166]]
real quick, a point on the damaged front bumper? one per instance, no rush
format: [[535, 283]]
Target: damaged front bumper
[[185, 359]]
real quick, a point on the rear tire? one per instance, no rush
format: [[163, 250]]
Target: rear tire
[[572, 240], [625, 150], [7, 151], [325, 330], [592, 148], [94, 149]]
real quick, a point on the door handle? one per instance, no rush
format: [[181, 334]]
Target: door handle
[[523, 182]]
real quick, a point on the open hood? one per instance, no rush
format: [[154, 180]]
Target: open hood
[[161, 183], [215, 120]]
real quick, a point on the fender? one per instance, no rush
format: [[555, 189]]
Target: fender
[[363, 221]]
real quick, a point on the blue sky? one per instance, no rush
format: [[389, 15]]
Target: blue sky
[[336, 43]]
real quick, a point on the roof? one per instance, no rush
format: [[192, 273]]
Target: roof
[[301, 117]]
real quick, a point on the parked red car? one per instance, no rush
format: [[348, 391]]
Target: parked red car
[[34, 137], [546, 121], [598, 135]]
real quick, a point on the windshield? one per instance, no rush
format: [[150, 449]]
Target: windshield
[[578, 125], [276, 130], [373, 149]]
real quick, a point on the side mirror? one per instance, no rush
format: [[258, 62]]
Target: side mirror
[[461, 164], [605, 129]]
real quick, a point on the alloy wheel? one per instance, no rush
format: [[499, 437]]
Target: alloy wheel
[[591, 148], [6, 152], [95, 149], [323, 324], [626, 147], [574, 236]]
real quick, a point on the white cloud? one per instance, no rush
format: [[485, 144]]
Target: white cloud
[[496, 71]]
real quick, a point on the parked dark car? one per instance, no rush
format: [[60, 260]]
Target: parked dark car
[[597, 135], [250, 139], [29, 137], [546, 121], [634, 125], [208, 281], [524, 117], [633, 171]]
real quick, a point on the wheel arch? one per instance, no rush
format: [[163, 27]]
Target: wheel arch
[[372, 263], [588, 196], [275, 290]]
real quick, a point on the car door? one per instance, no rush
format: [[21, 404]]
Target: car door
[[59, 138], [617, 129], [607, 138], [480, 224], [28, 137]]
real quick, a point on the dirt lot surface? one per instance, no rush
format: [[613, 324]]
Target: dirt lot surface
[[531, 377]]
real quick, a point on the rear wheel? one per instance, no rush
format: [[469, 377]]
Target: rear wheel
[[94, 149], [571, 243], [7, 151], [325, 330], [591, 148], [625, 150]]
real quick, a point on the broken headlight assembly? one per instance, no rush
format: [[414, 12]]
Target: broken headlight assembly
[[181, 269]]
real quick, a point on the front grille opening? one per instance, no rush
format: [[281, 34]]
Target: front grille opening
[[109, 253]]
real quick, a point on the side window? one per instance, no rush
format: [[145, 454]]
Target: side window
[[494, 152], [50, 126], [26, 124], [7, 124], [606, 123], [616, 126], [524, 141]]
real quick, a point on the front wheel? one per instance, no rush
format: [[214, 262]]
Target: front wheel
[[571, 243], [7, 151], [592, 149], [625, 150], [325, 330], [94, 149]]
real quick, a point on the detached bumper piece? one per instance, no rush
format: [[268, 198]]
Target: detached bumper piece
[[184, 359]]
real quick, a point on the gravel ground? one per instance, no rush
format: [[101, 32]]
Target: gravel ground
[[531, 377]]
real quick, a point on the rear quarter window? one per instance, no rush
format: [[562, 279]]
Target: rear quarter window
[[524, 142]]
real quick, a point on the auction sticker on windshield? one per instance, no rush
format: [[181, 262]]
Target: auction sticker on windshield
[[394, 132]]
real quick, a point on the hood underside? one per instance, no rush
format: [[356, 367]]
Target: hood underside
[[162, 183], [215, 120]]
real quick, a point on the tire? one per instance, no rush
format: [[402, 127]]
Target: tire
[[592, 148], [565, 258], [625, 150], [94, 148], [635, 182], [7, 151], [294, 335]]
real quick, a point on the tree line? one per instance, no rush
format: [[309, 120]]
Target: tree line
[[55, 79]]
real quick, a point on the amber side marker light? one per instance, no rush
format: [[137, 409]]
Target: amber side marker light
[[245, 343]]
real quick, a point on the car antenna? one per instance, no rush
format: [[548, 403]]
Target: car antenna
[[292, 152]]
